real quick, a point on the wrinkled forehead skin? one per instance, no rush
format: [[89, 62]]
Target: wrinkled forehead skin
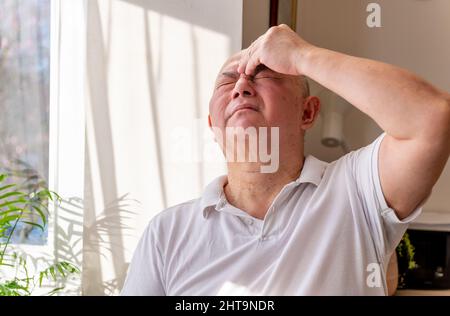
[[231, 63]]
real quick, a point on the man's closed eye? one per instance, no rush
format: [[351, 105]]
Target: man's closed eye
[[265, 77], [223, 84]]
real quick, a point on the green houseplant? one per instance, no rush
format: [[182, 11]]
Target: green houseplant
[[20, 205], [405, 254]]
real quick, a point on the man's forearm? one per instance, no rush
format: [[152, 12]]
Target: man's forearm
[[404, 105]]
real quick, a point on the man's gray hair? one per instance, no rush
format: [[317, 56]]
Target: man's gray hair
[[305, 86]]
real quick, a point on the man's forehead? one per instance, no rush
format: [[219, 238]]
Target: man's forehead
[[232, 63]]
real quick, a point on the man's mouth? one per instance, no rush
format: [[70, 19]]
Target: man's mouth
[[244, 107]]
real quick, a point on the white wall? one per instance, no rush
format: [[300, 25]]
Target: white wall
[[151, 68], [414, 35]]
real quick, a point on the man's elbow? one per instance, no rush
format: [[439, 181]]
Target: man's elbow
[[438, 124], [446, 117], [447, 109], [448, 125], [446, 104]]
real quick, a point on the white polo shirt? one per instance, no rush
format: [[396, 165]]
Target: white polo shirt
[[330, 232]]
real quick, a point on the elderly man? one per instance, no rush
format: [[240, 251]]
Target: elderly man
[[308, 227]]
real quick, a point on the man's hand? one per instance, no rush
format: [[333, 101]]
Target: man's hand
[[280, 49]]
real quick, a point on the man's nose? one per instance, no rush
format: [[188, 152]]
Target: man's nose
[[243, 87]]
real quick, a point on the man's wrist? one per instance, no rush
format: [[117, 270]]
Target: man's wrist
[[304, 57]]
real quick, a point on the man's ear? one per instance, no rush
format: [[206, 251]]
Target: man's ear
[[311, 108]]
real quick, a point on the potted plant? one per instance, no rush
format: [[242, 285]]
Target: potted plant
[[405, 253], [400, 263], [20, 206]]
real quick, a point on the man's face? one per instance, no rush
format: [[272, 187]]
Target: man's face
[[265, 99]]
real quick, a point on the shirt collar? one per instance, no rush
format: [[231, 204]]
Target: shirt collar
[[312, 172], [212, 194]]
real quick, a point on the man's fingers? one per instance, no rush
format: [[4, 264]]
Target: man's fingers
[[243, 61], [246, 55], [252, 64], [252, 59]]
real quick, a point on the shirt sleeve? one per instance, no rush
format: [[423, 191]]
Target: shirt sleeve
[[385, 227], [145, 276]]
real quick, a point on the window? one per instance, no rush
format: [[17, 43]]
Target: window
[[24, 100]]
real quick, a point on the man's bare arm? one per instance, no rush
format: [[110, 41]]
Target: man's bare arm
[[414, 114]]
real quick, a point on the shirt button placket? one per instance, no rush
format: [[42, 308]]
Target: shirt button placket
[[264, 236]]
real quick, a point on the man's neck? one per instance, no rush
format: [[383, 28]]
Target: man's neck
[[252, 191]]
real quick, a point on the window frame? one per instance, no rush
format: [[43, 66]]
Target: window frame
[[66, 126]]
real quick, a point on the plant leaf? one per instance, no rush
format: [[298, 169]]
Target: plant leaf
[[56, 290], [41, 214], [7, 187], [12, 202], [35, 225], [14, 193]]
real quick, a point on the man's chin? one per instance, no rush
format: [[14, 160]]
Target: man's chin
[[244, 126], [245, 123]]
